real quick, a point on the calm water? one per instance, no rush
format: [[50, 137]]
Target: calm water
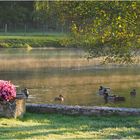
[[50, 72]]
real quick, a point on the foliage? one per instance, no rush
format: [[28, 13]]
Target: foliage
[[111, 31], [104, 28], [9, 14], [7, 91]]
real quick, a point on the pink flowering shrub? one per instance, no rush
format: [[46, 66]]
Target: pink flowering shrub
[[7, 91]]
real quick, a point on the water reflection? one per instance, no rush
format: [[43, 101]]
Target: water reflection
[[48, 73]]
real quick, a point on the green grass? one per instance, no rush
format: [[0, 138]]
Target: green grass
[[34, 33], [61, 127], [16, 41]]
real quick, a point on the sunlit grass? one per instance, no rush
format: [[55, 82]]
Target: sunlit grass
[[33, 36], [23, 34], [54, 127], [31, 40]]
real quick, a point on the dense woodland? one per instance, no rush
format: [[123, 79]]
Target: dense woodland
[[17, 16]]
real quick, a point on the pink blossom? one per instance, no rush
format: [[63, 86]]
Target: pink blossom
[[7, 90]]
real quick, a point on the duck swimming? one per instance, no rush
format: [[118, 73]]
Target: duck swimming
[[113, 97], [133, 92], [103, 89], [26, 92], [59, 98], [108, 97]]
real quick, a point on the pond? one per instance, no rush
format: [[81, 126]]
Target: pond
[[50, 72]]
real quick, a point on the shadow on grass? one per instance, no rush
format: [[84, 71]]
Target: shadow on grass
[[71, 127]]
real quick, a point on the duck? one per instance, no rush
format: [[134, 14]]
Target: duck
[[113, 97], [59, 98], [26, 92], [133, 92], [103, 89], [119, 98], [23, 93]]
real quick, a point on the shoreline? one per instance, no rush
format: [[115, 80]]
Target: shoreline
[[82, 110]]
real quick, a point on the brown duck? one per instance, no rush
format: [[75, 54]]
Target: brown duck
[[59, 98]]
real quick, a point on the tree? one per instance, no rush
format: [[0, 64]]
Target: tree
[[16, 12], [48, 13], [104, 28]]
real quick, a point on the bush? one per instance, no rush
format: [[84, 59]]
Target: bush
[[7, 91], [4, 45]]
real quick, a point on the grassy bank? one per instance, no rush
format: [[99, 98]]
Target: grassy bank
[[31, 41], [60, 127]]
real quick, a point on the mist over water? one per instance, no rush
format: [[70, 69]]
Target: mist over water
[[50, 72]]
